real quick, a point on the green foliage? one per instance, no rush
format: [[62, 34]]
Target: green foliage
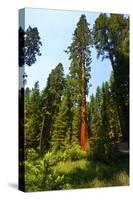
[[76, 125], [90, 174], [80, 56], [40, 174], [74, 153], [50, 159], [31, 154], [51, 99], [38, 178], [33, 176], [79, 75], [103, 114], [121, 179], [33, 117], [61, 135], [103, 150], [94, 113], [29, 46], [111, 39], [53, 157], [54, 181], [49, 172]]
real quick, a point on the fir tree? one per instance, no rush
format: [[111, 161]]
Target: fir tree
[[62, 132], [29, 46], [32, 117], [51, 99], [111, 39]]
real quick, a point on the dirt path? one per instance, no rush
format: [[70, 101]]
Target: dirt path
[[123, 148]]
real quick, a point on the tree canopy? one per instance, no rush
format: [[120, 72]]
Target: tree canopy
[[29, 46], [111, 39]]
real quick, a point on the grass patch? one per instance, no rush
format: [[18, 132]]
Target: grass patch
[[88, 174], [51, 173]]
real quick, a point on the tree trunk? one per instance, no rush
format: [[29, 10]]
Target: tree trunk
[[41, 135], [44, 134], [83, 132]]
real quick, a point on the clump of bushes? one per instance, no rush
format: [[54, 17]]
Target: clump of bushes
[[103, 150], [52, 179], [74, 153], [40, 173], [31, 154], [33, 175]]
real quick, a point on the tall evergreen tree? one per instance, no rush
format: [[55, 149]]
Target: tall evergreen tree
[[73, 90], [105, 111], [114, 115], [98, 104], [51, 99], [32, 117], [111, 39], [80, 57], [91, 118], [29, 46], [62, 132], [76, 121]]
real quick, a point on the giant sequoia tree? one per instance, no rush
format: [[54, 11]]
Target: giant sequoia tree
[[111, 39], [80, 57]]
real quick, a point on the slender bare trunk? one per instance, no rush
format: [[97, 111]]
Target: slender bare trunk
[[41, 134]]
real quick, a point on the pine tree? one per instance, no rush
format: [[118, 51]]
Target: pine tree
[[29, 46], [32, 117], [95, 112], [98, 104], [62, 132], [111, 39], [80, 57], [72, 90], [105, 111], [114, 119], [51, 99], [76, 121], [91, 116]]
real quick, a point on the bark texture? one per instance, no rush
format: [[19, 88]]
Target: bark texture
[[83, 132]]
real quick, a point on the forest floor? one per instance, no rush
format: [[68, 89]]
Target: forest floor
[[90, 174], [49, 173]]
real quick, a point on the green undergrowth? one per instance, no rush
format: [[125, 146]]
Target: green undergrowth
[[54, 171], [89, 174]]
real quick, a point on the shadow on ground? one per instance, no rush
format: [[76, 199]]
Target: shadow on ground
[[96, 174], [13, 185]]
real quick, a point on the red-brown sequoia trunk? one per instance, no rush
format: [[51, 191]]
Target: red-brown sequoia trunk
[[83, 132]]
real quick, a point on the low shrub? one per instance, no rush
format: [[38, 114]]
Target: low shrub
[[33, 175], [103, 150], [40, 174], [53, 181], [31, 154], [74, 153]]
